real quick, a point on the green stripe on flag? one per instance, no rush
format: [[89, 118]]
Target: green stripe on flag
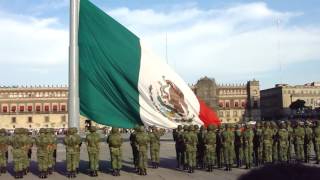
[[109, 62]]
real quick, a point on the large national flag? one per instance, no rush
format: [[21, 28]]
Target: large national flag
[[123, 84]]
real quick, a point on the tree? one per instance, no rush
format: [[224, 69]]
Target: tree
[[298, 105]]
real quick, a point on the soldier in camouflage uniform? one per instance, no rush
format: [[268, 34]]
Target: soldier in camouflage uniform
[[248, 135], [307, 142], [4, 141], [42, 143], [154, 137], [134, 147], [298, 135], [238, 144], [219, 148], [191, 140], [78, 148], [17, 144], [27, 145], [275, 155], [283, 136], [72, 142], [267, 134], [178, 138], [93, 141], [257, 144], [209, 140], [115, 142], [201, 147], [142, 140], [290, 140], [316, 141], [51, 149], [185, 161], [227, 137]]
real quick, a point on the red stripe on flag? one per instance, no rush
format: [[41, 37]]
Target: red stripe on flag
[[207, 115]]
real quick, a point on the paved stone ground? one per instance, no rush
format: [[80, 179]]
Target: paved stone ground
[[166, 171]]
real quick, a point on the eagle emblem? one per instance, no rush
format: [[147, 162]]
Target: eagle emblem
[[169, 100]]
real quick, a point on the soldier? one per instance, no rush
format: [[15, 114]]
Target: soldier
[[92, 141], [274, 128], [201, 147], [219, 148], [191, 140], [4, 141], [42, 143], [178, 138], [71, 142], [316, 140], [27, 145], [248, 145], [209, 141], [283, 136], [134, 148], [290, 140], [257, 144], [267, 134], [298, 135], [307, 142], [17, 144], [185, 162], [238, 144], [142, 140], [154, 137], [115, 141], [78, 148], [227, 143], [51, 149]]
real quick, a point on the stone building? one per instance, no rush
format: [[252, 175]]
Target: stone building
[[275, 102], [34, 107], [233, 103]]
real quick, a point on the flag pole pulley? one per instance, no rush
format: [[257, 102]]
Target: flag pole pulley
[[73, 97]]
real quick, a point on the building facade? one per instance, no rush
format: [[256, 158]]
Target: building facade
[[34, 107], [232, 103], [275, 102]]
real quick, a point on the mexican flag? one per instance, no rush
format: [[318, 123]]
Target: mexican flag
[[123, 84]]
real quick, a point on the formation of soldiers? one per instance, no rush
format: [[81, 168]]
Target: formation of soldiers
[[246, 145], [203, 148]]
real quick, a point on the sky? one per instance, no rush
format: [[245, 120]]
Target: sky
[[275, 41]]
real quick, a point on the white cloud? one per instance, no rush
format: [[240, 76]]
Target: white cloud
[[32, 41], [240, 40]]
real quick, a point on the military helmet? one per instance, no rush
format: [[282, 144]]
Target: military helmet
[[185, 127], [191, 128], [238, 126], [211, 127], [141, 129], [179, 127], [114, 130], [2, 131], [93, 129], [42, 130], [226, 126], [196, 127]]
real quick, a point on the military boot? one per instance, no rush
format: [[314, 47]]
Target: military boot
[[69, 174], [144, 171], [114, 173], [118, 170], [4, 170]]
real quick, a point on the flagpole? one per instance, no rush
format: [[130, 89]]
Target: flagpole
[[73, 100]]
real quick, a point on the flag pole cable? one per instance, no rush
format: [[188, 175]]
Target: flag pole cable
[[73, 96]]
